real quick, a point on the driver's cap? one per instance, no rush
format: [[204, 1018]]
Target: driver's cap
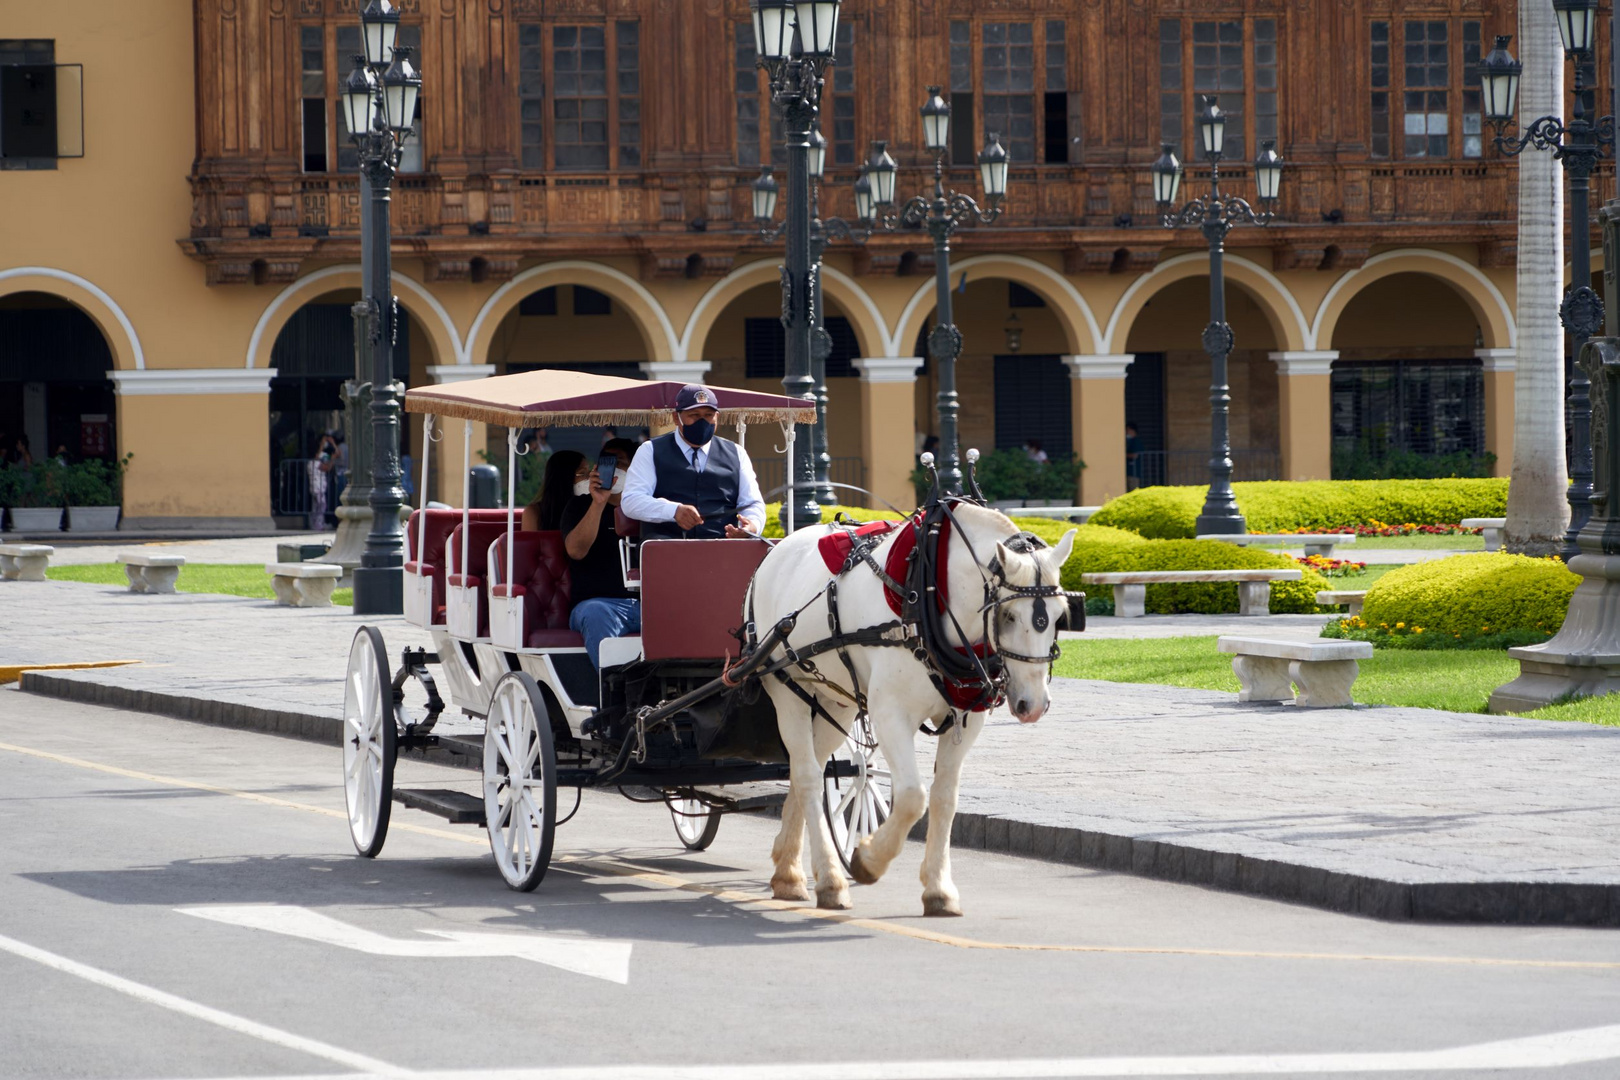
[[695, 396]]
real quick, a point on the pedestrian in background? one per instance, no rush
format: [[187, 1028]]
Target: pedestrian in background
[[320, 465], [1133, 459]]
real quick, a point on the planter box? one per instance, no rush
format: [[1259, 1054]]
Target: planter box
[[92, 518], [36, 518]]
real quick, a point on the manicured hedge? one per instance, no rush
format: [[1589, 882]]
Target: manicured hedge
[[1099, 548], [1479, 594], [1167, 513]]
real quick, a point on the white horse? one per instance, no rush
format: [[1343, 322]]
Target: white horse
[[899, 693]]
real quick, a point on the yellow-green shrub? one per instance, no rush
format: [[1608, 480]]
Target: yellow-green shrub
[[1482, 593], [1276, 505]]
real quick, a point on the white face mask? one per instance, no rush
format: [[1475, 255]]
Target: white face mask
[[582, 487], [618, 482]]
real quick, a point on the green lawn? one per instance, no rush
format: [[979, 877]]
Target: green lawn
[[1460, 681], [228, 579]]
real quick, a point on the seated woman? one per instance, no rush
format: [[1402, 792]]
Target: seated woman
[[564, 470], [602, 606]]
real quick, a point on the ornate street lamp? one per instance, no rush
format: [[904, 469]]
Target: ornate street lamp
[[1216, 214], [379, 100], [795, 40], [941, 213], [1578, 145]]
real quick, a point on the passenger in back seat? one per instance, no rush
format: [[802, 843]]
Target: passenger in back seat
[[602, 606]]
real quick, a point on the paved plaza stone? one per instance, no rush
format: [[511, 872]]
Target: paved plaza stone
[[1392, 812]]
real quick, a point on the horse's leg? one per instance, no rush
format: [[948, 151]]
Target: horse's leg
[[799, 735], [895, 728], [939, 892]]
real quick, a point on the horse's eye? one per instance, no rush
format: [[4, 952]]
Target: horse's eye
[[1008, 617]]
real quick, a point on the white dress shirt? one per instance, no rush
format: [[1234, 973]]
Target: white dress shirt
[[639, 502]]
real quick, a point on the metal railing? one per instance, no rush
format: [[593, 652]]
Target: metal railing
[[1158, 468], [289, 494]]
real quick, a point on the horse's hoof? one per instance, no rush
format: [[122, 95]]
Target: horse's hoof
[[859, 870], [834, 898], [789, 889], [941, 906]]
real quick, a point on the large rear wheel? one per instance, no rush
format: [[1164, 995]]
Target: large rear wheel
[[370, 741], [520, 781], [856, 805]]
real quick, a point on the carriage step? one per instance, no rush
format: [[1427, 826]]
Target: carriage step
[[456, 807], [463, 745]]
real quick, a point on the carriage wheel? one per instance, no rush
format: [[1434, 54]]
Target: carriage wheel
[[520, 781], [695, 823], [856, 805], [370, 741]]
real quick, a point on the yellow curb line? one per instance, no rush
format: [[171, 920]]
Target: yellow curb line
[[10, 673], [656, 879]]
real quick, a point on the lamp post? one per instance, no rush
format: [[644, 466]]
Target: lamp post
[[941, 213], [1577, 145], [1216, 214], [379, 102], [794, 41], [822, 231]]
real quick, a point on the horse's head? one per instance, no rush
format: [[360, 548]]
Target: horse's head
[[1024, 629]]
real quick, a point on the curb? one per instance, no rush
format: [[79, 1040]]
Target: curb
[[1517, 902]]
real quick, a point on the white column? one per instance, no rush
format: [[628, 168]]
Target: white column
[[454, 373], [888, 426], [1501, 367], [174, 381], [1305, 412], [682, 371], [1097, 417]]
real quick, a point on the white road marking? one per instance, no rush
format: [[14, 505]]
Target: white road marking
[[1533, 1052], [609, 960], [370, 1066]]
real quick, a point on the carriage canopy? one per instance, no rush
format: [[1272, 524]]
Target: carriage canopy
[[561, 398]]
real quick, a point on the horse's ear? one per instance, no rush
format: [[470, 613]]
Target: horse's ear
[[1003, 559], [1055, 557]]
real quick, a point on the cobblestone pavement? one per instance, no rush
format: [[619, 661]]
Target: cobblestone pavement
[[1174, 783]]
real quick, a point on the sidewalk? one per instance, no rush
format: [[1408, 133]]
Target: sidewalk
[[1395, 813]]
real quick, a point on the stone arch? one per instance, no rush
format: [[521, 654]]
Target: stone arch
[[89, 298], [1490, 307], [865, 319], [644, 308], [440, 328], [1072, 311], [1281, 310]]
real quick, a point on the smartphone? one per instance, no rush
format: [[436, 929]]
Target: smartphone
[[606, 466]]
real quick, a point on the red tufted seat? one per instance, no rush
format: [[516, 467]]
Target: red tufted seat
[[440, 523], [484, 533], [540, 573]]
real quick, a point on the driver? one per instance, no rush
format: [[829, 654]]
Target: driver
[[690, 483]]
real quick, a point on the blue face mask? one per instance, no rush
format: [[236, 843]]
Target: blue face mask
[[698, 432]]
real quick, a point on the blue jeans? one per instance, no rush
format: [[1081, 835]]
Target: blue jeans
[[604, 617]]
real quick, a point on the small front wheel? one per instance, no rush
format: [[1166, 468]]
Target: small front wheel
[[370, 741], [695, 823], [520, 781]]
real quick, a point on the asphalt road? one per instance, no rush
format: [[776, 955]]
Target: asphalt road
[[183, 901]]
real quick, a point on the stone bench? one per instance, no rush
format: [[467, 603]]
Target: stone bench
[[1079, 514], [1491, 528], [1130, 587], [1351, 598], [1314, 543], [1324, 671], [24, 562], [150, 573], [303, 584]]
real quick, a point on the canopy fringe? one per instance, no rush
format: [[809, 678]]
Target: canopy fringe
[[520, 418]]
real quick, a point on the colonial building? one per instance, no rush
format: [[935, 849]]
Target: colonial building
[[175, 269]]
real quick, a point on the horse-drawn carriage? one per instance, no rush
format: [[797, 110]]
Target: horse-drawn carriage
[[673, 715]]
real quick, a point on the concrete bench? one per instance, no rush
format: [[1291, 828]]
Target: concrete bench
[[150, 573], [24, 562], [1324, 671], [1351, 598], [1314, 543], [303, 584], [1130, 587], [1079, 514], [1490, 528]]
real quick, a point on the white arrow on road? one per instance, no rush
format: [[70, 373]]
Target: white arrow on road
[[608, 960]]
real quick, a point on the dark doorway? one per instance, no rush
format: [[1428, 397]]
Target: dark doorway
[[1032, 402], [53, 379]]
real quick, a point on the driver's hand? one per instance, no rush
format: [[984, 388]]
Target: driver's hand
[[687, 516], [739, 532]]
